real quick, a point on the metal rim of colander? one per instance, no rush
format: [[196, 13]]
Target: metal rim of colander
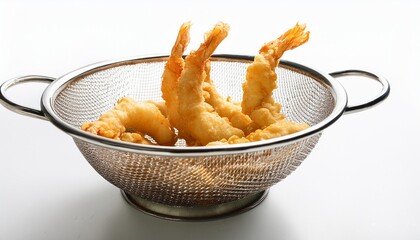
[[51, 92]]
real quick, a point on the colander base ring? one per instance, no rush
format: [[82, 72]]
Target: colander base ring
[[199, 213]]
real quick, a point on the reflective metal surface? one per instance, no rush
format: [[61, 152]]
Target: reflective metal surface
[[204, 213]]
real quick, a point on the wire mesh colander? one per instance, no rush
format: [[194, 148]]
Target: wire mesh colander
[[181, 176]]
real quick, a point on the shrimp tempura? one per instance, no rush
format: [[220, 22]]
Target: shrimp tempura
[[200, 121], [225, 108], [171, 74], [140, 117], [261, 77]]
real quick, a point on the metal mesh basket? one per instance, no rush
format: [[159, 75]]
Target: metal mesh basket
[[195, 180], [184, 176]]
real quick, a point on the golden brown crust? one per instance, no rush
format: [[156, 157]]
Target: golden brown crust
[[193, 106]]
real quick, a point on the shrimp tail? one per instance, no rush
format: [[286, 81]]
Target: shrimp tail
[[212, 39], [289, 40]]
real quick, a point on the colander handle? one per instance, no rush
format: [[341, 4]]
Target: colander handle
[[373, 101], [9, 104]]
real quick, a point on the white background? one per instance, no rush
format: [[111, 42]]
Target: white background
[[361, 181]]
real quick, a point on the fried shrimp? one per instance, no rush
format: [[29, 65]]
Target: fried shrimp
[[160, 105], [225, 108], [172, 72], [192, 106], [200, 120], [138, 117], [261, 77], [134, 138], [277, 129]]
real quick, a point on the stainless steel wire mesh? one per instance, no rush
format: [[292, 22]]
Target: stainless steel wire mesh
[[191, 180]]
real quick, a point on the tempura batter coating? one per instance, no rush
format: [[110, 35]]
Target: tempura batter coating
[[142, 117], [172, 72], [277, 129], [200, 121], [193, 106], [261, 77], [225, 108], [134, 138], [161, 105]]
